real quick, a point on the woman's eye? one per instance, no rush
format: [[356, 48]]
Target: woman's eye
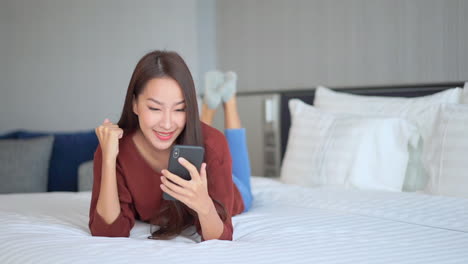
[[180, 110], [154, 109]]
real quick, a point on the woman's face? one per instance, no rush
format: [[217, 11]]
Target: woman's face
[[161, 112]]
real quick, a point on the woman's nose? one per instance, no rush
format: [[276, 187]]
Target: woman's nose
[[166, 121]]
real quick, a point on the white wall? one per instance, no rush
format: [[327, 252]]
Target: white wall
[[65, 64], [206, 39], [277, 44]]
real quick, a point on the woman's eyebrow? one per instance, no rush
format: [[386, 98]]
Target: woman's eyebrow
[[160, 103], [154, 100]]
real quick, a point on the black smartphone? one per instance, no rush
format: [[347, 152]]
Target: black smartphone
[[193, 154]]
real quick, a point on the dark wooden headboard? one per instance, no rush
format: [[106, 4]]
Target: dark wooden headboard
[[390, 90]]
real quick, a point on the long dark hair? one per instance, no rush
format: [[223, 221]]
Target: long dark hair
[[173, 216], [164, 64]]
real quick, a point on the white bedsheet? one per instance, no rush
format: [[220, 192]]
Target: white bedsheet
[[287, 224]]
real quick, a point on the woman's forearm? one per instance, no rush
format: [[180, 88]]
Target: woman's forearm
[[108, 205], [211, 224]]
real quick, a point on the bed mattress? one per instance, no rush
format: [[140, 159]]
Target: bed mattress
[[287, 224]]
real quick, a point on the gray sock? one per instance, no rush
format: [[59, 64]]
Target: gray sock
[[212, 95], [228, 88]]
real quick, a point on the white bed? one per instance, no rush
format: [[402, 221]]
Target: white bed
[[287, 223], [358, 220]]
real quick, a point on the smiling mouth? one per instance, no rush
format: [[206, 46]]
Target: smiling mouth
[[163, 136]]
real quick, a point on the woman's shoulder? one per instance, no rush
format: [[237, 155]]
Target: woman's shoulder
[[214, 141], [211, 132], [127, 139]]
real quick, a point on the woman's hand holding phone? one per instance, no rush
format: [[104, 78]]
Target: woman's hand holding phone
[[109, 135], [193, 193]]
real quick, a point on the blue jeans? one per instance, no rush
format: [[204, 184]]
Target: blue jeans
[[240, 164]]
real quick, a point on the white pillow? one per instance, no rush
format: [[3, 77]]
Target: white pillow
[[447, 152], [420, 110], [354, 151]]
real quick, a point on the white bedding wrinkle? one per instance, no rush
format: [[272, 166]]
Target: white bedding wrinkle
[[287, 224]]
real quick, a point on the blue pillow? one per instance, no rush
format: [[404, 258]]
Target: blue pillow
[[68, 152], [10, 135]]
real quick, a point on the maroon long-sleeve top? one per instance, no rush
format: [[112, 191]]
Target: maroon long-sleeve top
[[141, 197]]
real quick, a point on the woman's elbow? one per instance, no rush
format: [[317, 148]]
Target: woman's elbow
[[109, 233]]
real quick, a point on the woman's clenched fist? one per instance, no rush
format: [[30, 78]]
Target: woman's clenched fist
[[109, 135]]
